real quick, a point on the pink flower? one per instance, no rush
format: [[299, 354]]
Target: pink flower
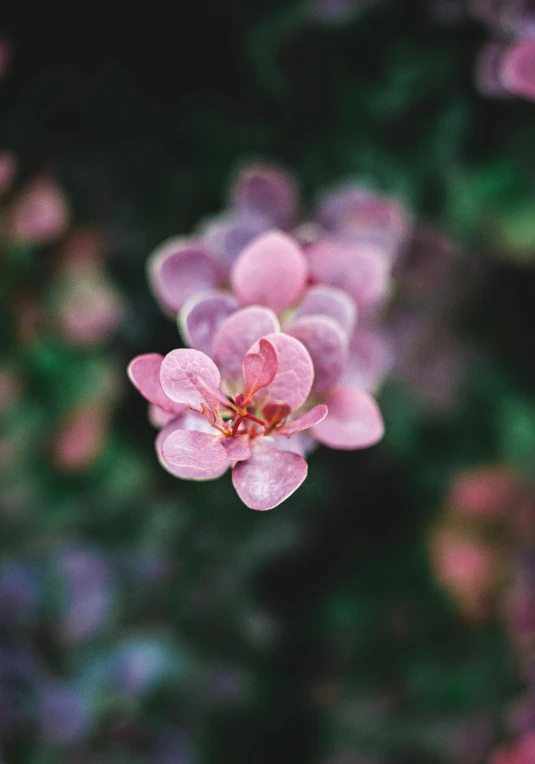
[[518, 69], [273, 271], [522, 752], [243, 427], [39, 214], [468, 568]]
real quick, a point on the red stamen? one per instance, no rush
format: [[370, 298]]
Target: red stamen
[[236, 425], [254, 419]]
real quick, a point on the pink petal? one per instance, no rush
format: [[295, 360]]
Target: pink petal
[[179, 269], [228, 234], [295, 374], [194, 455], [327, 344], [518, 69], [268, 191], [362, 270], [488, 66], [329, 301], [160, 418], [270, 271], [144, 373], [190, 377], [301, 443], [237, 448], [311, 418], [356, 214], [235, 336], [202, 315], [369, 360], [39, 214], [353, 421], [268, 478], [260, 367]]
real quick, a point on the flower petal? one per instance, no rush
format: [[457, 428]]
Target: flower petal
[[39, 214], [228, 234], [517, 71], [268, 477], [329, 301], [295, 374], [353, 421], [189, 376], [362, 270], [270, 271], [235, 336], [356, 214], [237, 448], [259, 368], [369, 360], [144, 373], [268, 191], [194, 455], [201, 316], [159, 418], [302, 443], [311, 418], [327, 344], [179, 269]]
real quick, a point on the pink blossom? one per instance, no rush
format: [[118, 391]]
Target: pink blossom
[[485, 493], [89, 311], [518, 69], [347, 364], [467, 568], [522, 752], [39, 214], [225, 428], [80, 438]]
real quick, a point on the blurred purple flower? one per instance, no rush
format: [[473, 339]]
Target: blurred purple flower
[[86, 582], [63, 713]]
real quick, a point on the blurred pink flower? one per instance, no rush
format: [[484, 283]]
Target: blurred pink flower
[[39, 214], [521, 752], [485, 493], [89, 311], [467, 568], [81, 437]]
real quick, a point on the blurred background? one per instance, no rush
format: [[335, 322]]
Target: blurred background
[[385, 614]]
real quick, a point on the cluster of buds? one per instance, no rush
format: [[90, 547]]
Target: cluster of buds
[[506, 65]]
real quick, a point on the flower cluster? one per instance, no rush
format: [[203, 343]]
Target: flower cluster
[[506, 65], [282, 331]]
